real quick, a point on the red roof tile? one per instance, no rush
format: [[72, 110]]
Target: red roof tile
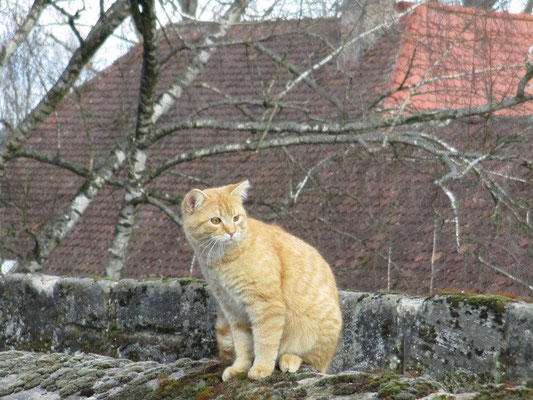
[[456, 57]]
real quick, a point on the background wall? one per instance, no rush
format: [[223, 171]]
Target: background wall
[[484, 337]]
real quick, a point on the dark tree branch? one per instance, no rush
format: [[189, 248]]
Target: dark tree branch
[[528, 7], [100, 32], [338, 127], [145, 20]]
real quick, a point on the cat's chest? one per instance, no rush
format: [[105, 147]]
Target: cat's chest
[[224, 292]]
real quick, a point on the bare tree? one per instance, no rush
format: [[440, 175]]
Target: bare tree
[[389, 130]]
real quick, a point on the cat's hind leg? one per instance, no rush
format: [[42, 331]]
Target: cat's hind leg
[[289, 363], [321, 355]]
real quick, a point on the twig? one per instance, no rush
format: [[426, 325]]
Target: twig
[[505, 273], [169, 213]]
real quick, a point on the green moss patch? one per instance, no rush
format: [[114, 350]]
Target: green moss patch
[[387, 386], [406, 389], [198, 385], [505, 393], [188, 281]]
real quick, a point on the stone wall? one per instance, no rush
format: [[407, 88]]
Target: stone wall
[[479, 337]]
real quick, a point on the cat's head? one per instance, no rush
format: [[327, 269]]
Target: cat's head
[[215, 215]]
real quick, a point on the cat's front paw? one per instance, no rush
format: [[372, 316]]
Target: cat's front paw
[[231, 371], [258, 372]]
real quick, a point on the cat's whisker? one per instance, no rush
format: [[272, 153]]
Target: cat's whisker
[[208, 248], [217, 241], [203, 246]]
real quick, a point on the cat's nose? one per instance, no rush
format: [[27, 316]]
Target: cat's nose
[[230, 234]]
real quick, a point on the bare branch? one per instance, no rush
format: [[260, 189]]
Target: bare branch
[[169, 213], [340, 127], [293, 197], [505, 273], [528, 7], [307, 79], [52, 160], [409, 138], [201, 57], [7, 50], [71, 20], [103, 28]]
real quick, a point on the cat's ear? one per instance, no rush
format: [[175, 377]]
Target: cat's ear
[[193, 200], [240, 189]]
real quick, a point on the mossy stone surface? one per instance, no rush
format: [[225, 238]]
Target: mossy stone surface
[[32, 376]]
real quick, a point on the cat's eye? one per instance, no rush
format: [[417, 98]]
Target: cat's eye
[[216, 220], [236, 218]]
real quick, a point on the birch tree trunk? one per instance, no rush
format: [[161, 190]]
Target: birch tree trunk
[[145, 20], [148, 115], [48, 242], [107, 23]]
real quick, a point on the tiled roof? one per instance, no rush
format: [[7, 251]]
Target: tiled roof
[[367, 213], [461, 57]]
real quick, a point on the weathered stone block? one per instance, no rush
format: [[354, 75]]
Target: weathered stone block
[[371, 336], [168, 320], [83, 302], [458, 332], [28, 315], [516, 358], [168, 306]]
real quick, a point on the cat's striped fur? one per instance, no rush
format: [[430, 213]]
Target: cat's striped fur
[[277, 296]]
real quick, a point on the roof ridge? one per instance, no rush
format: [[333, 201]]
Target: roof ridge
[[487, 13]]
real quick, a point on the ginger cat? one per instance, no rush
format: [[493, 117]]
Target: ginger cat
[[277, 296]]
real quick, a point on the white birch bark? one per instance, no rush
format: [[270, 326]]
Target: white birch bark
[[148, 115], [9, 48], [77, 206], [47, 242], [202, 56]]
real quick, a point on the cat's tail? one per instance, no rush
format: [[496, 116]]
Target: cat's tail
[[324, 349], [226, 351]]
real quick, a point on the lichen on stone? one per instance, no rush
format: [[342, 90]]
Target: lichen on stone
[[78, 376], [488, 305]]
